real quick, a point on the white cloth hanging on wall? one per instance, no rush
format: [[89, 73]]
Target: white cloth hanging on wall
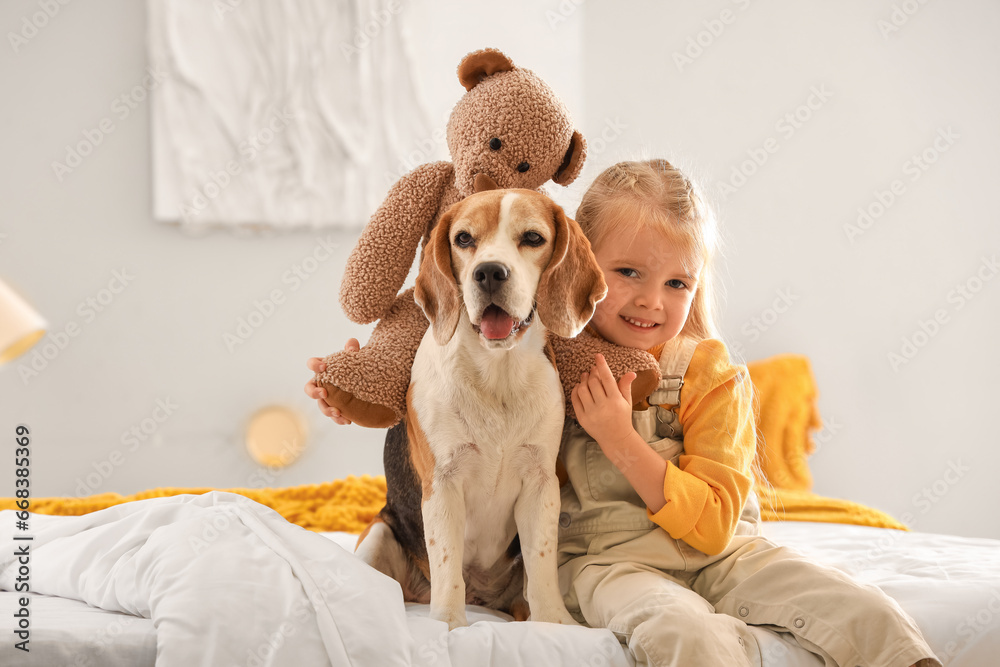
[[279, 113]]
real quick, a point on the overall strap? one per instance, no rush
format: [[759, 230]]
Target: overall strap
[[674, 361]]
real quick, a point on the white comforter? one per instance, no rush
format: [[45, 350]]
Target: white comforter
[[227, 581]]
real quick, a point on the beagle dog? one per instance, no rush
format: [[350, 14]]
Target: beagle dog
[[472, 493]]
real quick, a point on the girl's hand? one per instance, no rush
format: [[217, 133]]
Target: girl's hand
[[603, 407], [316, 365]]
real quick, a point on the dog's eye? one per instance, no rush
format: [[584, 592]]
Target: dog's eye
[[495, 144], [463, 239], [523, 167], [533, 239]]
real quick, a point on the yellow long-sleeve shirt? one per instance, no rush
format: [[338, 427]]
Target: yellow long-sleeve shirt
[[707, 490]]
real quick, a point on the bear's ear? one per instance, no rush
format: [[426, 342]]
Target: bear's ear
[[480, 64], [573, 162]]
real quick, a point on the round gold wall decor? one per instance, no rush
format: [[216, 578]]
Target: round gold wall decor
[[276, 436]]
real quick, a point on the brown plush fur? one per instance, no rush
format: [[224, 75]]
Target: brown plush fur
[[537, 143], [576, 355]]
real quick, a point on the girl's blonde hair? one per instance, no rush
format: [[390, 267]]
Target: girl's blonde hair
[[653, 194]]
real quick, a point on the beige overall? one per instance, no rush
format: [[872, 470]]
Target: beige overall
[[674, 605]]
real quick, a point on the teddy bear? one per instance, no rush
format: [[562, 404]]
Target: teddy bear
[[508, 130]]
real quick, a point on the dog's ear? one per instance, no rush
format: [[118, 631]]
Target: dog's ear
[[436, 290], [572, 283]]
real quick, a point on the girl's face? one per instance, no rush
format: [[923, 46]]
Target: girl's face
[[649, 290]]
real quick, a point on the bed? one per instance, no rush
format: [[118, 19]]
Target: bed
[[289, 555], [949, 585]]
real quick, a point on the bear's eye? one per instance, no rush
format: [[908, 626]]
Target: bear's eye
[[463, 239], [533, 239], [523, 167], [495, 144]]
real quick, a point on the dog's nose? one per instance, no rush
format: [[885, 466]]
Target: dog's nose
[[490, 276]]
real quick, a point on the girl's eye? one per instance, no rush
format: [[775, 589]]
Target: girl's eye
[[533, 239], [676, 284], [628, 273], [463, 239]]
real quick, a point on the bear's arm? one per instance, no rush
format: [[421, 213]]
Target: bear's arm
[[576, 355], [381, 260]]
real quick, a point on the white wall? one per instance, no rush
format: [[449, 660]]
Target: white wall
[[892, 433]]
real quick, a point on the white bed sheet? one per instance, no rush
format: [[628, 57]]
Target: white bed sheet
[[950, 586], [69, 632]]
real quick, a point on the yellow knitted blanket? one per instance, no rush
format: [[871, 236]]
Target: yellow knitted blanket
[[349, 504], [802, 505], [343, 504]]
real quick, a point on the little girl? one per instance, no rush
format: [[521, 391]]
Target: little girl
[[659, 533]]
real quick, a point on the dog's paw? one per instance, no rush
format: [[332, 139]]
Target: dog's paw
[[553, 615], [454, 618], [567, 619]]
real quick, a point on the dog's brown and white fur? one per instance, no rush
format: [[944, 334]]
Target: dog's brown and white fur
[[473, 495]]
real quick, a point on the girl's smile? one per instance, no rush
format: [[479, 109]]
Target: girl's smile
[[639, 324]]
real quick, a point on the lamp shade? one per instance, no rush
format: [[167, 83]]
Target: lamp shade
[[20, 325]]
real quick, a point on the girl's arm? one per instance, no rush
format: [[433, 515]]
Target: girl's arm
[[713, 477], [604, 410], [703, 496]]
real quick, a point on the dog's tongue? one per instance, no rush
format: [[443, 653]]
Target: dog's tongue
[[496, 323]]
